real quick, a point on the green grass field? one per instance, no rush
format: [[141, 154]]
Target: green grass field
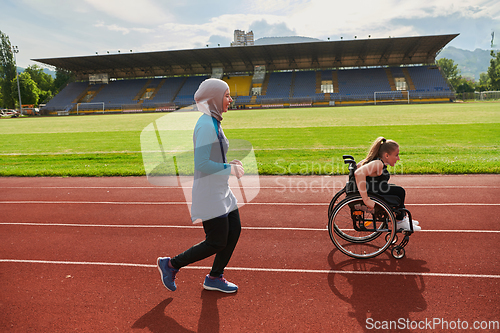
[[451, 138]]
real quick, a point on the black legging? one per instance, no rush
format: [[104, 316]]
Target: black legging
[[222, 234], [393, 190]]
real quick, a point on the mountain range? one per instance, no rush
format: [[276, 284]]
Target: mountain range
[[470, 63], [45, 70]]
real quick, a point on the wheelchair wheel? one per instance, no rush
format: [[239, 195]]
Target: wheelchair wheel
[[340, 195], [398, 252], [347, 234], [355, 231]]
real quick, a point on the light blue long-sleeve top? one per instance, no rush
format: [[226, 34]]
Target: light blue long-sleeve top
[[211, 194]]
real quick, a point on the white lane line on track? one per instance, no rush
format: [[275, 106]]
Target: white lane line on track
[[272, 270], [248, 203], [249, 187], [78, 225]]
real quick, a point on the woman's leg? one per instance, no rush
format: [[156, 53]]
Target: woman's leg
[[401, 194], [216, 231], [222, 258]]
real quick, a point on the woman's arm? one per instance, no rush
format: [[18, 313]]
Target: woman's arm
[[205, 137], [372, 169]]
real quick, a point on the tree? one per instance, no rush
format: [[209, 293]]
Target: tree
[[7, 71], [450, 71], [44, 82], [465, 86], [484, 82], [63, 77], [28, 88], [494, 71]]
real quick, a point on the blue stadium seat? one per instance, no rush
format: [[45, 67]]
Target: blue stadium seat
[[362, 83], [305, 84], [167, 91], [353, 84], [185, 97], [65, 98], [120, 92], [428, 79], [279, 85]]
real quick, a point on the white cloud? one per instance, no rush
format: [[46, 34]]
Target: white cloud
[[113, 27], [145, 11], [322, 19], [71, 28], [263, 29], [123, 30], [185, 35], [275, 7]]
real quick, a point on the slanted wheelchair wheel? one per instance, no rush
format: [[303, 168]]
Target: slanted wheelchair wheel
[[339, 196], [347, 233], [355, 231]]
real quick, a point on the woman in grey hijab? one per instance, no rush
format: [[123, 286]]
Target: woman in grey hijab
[[213, 201]]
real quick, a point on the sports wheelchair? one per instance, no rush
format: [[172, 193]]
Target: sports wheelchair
[[360, 232]]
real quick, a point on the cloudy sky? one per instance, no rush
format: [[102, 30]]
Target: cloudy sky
[[65, 28]]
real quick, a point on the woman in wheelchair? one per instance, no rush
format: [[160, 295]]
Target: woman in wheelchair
[[372, 176]]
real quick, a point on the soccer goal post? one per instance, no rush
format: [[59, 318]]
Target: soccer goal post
[[87, 106], [391, 96], [489, 95]]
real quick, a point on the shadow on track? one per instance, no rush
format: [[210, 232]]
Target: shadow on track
[[157, 321], [378, 298]]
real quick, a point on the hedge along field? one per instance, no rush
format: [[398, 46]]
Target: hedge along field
[[446, 138]]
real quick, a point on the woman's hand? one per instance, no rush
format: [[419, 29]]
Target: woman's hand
[[237, 168], [369, 203]]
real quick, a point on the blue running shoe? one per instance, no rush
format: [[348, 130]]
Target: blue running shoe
[[219, 284], [167, 273]]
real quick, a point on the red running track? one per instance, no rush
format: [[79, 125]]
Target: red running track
[[79, 254]]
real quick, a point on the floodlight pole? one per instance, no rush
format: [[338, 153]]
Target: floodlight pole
[[15, 50]]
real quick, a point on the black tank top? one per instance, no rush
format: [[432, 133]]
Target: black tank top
[[379, 184]]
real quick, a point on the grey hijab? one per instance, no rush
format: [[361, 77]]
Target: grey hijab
[[209, 97]]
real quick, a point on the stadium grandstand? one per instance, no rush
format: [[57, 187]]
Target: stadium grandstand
[[324, 73]]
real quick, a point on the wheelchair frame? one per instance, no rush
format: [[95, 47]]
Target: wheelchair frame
[[355, 230]]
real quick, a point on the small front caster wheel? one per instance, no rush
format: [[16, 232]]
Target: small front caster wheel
[[398, 252]]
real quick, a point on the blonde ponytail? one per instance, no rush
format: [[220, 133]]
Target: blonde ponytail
[[378, 148]]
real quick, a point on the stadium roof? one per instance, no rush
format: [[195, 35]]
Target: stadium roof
[[309, 55]]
